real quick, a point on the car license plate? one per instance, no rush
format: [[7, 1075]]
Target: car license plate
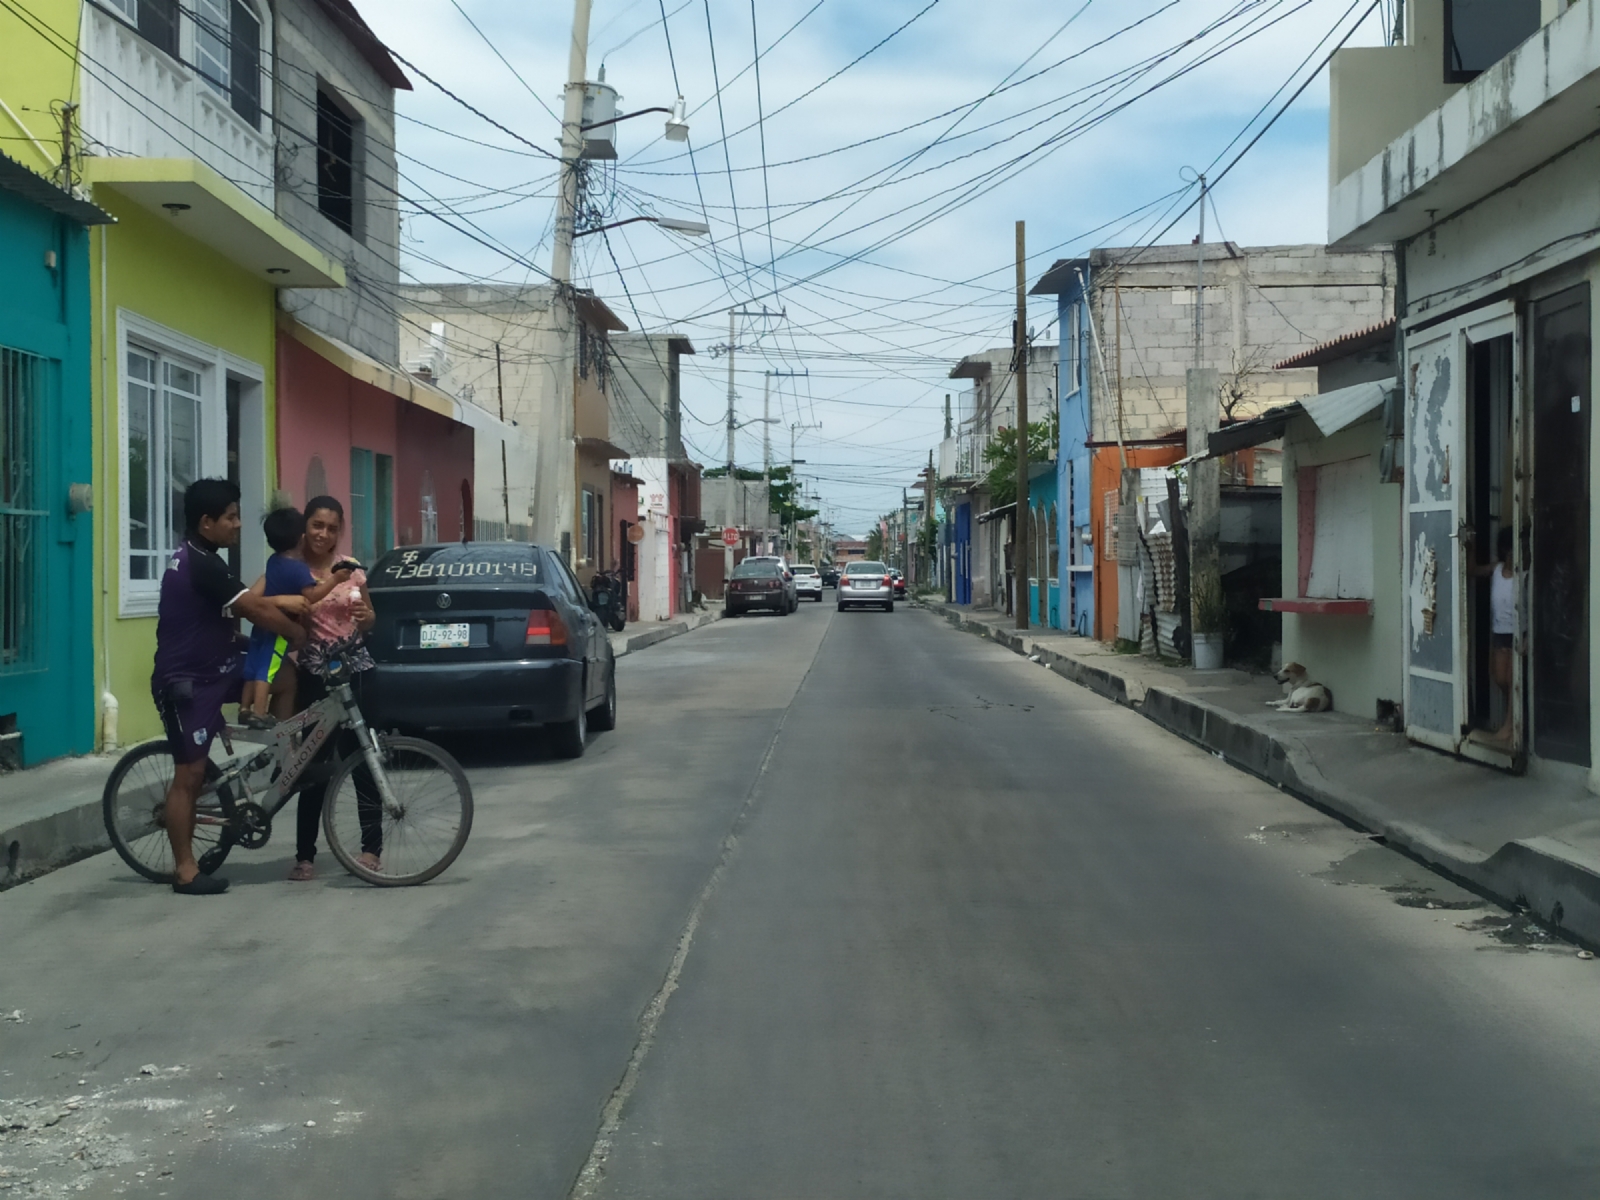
[[446, 637]]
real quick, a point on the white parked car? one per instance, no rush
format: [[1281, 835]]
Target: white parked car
[[807, 582]]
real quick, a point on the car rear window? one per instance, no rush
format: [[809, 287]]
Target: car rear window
[[755, 570], [804, 570], [475, 562], [866, 568]]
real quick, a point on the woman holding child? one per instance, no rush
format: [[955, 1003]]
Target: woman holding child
[[341, 616], [307, 565]]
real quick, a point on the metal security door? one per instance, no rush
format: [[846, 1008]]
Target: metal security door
[[1435, 684], [1557, 624]]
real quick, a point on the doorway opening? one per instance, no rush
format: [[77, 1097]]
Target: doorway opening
[[1490, 380]]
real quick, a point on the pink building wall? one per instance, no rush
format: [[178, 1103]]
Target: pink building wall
[[323, 412]]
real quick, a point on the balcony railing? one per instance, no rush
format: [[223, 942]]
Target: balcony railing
[[139, 101]]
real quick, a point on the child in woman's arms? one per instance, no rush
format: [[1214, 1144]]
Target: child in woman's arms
[[269, 670]]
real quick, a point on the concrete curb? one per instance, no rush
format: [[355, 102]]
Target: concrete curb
[[1551, 879], [36, 847], [660, 633]]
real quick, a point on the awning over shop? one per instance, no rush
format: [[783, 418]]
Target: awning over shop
[[16, 178], [1331, 412], [994, 514], [370, 371], [1241, 435]]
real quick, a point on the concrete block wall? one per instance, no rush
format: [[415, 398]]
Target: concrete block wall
[[992, 403], [313, 49], [645, 417], [475, 317], [1262, 305]]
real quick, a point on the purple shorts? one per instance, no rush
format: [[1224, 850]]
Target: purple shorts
[[191, 714]]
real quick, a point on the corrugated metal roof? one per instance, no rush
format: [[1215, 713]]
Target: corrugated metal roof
[[19, 180], [1332, 411], [1339, 347]]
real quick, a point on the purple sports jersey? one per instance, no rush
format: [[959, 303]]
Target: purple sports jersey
[[197, 638]]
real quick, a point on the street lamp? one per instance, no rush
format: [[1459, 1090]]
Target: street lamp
[[678, 123], [672, 224], [677, 120]]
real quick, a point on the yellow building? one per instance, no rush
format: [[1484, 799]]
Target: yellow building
[[165, 110]]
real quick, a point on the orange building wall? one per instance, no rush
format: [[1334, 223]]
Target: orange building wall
[[1105, 474]]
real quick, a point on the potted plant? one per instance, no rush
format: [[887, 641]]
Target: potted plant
[[1210, 621]]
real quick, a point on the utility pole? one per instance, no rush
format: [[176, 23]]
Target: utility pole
[[68, 112], [905, 535], [1019, 352], [794, 481], [732, 420], [948, 428], [1200, 280], [505, 477], [555, 482]]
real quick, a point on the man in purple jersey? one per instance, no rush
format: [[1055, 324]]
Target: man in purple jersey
[[199, 658]]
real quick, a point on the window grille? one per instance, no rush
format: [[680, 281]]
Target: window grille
[[22, 513]]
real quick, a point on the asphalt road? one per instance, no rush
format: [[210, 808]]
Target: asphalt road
[[850, 905]]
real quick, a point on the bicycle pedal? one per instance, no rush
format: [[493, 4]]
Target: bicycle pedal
[[213, 858]]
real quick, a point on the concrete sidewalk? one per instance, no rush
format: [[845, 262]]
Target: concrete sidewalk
[[1532, 841], [50, 815]]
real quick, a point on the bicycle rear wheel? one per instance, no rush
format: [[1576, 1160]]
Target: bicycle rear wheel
[[134, 806], [420, 835]]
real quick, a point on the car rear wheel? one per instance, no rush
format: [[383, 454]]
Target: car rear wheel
[[888, 606], [604, 718], [569, 739]]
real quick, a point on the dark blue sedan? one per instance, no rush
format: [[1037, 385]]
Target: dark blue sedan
[[487, 635]]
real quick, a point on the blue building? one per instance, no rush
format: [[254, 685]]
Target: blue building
[[1068, 281], [1044, 585], [47, 703]]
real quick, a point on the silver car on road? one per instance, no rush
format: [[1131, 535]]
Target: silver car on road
[[866, 583]]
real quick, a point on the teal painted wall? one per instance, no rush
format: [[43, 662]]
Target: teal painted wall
[[45, 312]]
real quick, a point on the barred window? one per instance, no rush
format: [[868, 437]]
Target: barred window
[[23, 379]]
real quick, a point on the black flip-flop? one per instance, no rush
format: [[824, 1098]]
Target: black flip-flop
[[201, 885]]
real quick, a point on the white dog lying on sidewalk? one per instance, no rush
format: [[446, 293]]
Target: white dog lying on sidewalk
[[1300, 693]]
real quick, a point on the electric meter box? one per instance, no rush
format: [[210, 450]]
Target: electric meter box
[[600, 104]]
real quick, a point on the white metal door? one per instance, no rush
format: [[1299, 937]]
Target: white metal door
[[1435, 682]]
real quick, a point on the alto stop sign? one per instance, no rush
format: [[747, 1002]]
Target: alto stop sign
[[730, 536]]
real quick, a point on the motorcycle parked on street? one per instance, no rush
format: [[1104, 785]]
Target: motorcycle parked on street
[[608, 597]]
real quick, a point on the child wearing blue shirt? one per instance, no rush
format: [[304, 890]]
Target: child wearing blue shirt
[[268, 671]]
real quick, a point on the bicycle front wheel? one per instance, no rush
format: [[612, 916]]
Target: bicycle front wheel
[[415, 837], [134, 805]]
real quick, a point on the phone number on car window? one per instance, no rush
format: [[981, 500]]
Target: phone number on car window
[[460, 570]]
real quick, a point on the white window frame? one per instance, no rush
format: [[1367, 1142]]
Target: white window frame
[[139, 597], [1074, 332]]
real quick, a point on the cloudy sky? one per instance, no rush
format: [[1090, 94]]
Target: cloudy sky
[[861, 178]]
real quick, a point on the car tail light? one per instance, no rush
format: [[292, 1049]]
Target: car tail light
[[545, 628], [888, 580]]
